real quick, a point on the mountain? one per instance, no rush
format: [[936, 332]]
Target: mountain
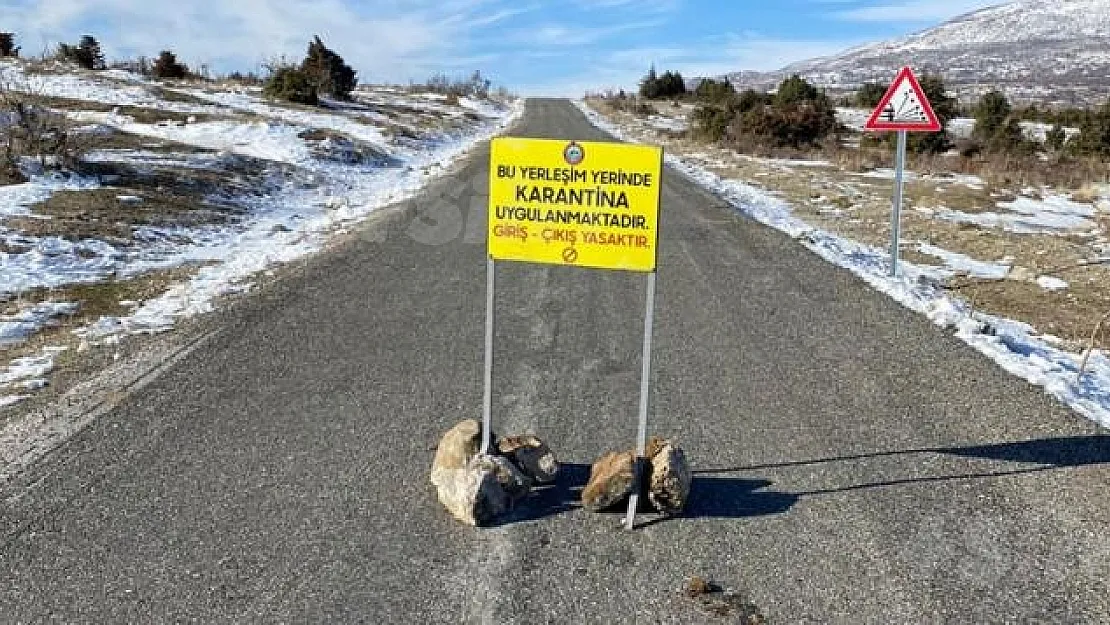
[[1049, 51]]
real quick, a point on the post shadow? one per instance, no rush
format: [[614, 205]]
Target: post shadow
[[710, 497], [1031, 456]]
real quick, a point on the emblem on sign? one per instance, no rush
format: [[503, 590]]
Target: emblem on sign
[[574, 154]]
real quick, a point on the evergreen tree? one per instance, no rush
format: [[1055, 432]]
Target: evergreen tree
[[794, 90], [291, 84], [166, 66], [89, 54], [328, 72], [946, 109], [7, 45], [715, 91], [991, 114], [870, 94], [649, 86], [85, 54], [1094, 134], [669, 85]]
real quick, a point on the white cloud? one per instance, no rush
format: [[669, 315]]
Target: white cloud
[[385, 40]]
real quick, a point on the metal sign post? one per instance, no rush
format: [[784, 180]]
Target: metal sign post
[[899, 186], [645, 387], [487, 395], [904, 108], [581, 204]]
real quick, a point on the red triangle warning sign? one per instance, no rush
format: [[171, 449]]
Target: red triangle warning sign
[[904, 107]]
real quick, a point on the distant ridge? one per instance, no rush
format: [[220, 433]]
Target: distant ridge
[[1047, 51]]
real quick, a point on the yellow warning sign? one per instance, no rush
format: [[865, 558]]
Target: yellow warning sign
[[585, 204]]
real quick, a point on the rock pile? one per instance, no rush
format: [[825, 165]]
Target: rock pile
[[666, 483], [476, 488]]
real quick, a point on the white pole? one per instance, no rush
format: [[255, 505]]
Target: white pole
[[487, 395], [896, 219], [645, 385]]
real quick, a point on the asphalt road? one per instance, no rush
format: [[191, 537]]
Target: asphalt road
[[855, 463]]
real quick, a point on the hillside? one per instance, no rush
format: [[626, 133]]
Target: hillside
[[182, 192], [1051, 51]]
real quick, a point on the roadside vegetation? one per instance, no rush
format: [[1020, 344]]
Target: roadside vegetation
[[146, 184], [1009, 207]]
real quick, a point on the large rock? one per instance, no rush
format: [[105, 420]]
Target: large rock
[[534, 458], [457, 447], [514, 483], [474, 493], [475, 488], [611, 481], [669, 483]]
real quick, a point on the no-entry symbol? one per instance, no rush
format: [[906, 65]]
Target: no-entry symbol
[[570, 255]]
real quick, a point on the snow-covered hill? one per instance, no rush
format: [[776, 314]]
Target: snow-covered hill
[[1036, 50], [184, 191]]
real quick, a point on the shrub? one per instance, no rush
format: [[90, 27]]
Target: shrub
[[711, 90], [31, 130], [7, 45], [946, 108], [291, 84], [750, 99], [991, 114], [140, 65], [327, 71], [166, 66], [870, 94], [85, 54], [710, 122], [795, 125], [1056, 138], [476, 86], [794, 90], [1010, 139], [247, 78], [797, 116], [1094, 134]]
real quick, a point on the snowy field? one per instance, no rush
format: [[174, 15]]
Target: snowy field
[[287, 179], [1016, 346]]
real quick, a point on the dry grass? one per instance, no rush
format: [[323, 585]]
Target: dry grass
[[141, 114], [840, 201], [120, 140], [170, 95], [103, 298], [100, 213]]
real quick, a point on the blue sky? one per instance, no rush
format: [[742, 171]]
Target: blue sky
[[532, 46]]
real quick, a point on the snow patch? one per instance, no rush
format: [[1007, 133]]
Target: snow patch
[[963, 264], [1054, 214], [1050, 283], [1015, 346], [22, 325], [26, 374]]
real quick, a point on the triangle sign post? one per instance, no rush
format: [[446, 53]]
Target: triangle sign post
[[904, 108]]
